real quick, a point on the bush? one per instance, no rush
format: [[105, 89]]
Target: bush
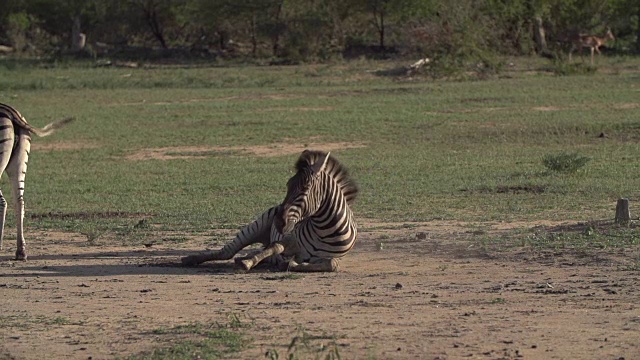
[[564, 162], [559, 66]]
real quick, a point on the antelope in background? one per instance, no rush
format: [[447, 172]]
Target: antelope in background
[[580, 41]]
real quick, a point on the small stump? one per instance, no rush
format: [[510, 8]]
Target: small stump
[[623, 215]]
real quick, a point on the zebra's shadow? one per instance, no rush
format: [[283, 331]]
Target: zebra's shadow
[[112, 263]]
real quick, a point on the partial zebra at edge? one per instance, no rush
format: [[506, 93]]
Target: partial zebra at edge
[[15, 146]]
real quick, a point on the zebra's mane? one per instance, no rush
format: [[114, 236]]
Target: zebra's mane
[[334, 168]]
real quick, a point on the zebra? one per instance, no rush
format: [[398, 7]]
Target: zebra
[[15, 145], [313, 227]]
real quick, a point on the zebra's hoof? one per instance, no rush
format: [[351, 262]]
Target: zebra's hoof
[[292, 265], [21, 256], [246, 264]]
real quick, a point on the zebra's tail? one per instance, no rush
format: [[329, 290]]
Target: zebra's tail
[[49, 128]]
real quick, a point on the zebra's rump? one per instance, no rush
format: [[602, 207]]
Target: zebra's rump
[[20, 122], [14, 115]]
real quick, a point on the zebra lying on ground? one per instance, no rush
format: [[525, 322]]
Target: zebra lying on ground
[[15, 144], [312, 228]]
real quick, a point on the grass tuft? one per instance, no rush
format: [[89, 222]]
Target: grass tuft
[[308, 346], [199, 341], [562, 67], [565, 162]]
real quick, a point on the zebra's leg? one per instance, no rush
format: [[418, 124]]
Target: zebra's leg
[[226, 253], [256, 232], [17, 170], [275, 260], [3, 214], [316, 265], [6, 145], [275, 249]]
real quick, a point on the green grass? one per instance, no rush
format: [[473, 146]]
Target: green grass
[[469, 150], [603, 235], [199, 341], [305, 345]]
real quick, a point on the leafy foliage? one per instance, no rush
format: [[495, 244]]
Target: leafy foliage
[[457, 33], [565, 162]]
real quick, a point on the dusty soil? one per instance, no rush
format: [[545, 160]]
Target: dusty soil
[[424, 291]]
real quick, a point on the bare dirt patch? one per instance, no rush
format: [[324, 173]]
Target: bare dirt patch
[[429, 293], [185, 152], [625, 106]]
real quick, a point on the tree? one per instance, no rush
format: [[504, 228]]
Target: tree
[[162, 17]]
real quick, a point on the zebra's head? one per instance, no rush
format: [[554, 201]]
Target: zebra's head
[[304, 193]]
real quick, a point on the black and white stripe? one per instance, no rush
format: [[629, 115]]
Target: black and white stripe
[[313, 227], [316, 211], [15, 145]]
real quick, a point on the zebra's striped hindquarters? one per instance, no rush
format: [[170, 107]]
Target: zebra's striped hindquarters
[[15, 146], [259, 231]]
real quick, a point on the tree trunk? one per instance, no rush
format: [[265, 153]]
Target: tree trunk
[[254, 36], [78, 39], [539, 35], [223, 35], [156, 28], [381, 30], [275, 39], [638, 32]]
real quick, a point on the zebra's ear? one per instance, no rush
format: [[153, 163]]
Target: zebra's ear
[[319, 165]]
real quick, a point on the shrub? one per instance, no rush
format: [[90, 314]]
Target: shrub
[[559, 66], [564, 162]]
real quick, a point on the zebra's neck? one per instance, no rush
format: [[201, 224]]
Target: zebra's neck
[[332, 206]]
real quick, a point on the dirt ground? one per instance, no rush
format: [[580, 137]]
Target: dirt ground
[[405, 292]]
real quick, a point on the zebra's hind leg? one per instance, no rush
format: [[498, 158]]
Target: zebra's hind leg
[[222, 254], [6, 145], [316, 265], [193, 260], [3, 215], [275, 260], [274, 249], [226, 253], [256, 232], [17, 170], [286, 246]]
